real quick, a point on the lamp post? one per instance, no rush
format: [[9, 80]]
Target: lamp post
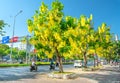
[[14, 32], [28, 47], [117, 42]]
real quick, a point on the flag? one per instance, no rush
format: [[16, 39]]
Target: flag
[[5, 39]]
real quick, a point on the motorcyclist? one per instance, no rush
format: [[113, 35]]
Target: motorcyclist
[[57, 63], [52, 65], [33, 65]]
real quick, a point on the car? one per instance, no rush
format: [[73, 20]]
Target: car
[[78, 63], [11, 61], [4, 60]]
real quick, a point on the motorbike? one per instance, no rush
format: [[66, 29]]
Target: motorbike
[[33, 68], [52, 67]]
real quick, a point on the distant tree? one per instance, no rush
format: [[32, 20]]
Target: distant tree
[[3, 50], [118, 48], [2, 25], [22, 54], [15, 53]]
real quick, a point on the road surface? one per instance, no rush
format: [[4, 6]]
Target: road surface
[[14, 73]]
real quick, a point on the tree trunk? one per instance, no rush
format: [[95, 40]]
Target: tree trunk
[[2, 58], [60, 64], [85, 60], [59, 61], [97, 59], [108, 61], [94, 61]]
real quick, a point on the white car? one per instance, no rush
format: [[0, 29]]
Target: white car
[[11, 61], [78, 63]]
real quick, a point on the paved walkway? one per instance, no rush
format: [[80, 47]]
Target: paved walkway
[[108, 74]]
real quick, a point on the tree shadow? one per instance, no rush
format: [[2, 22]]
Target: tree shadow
[[114, 69], [107, 75], [16, 76]]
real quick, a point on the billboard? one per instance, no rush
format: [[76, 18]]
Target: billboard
[[14, 39]]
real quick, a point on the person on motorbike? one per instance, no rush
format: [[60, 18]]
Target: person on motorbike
[[33, 63], [57, 64], [52, 65]]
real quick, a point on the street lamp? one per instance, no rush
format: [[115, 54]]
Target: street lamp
[[117, 42], [14, 32]]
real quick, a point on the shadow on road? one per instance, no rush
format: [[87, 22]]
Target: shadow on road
[[107, 75], [114, 69], [16, 76]]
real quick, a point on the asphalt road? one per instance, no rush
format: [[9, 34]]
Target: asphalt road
[[15, 73], [108, 74]]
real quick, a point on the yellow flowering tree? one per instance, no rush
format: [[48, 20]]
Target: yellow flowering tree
[[54, 34], [48, 29], [101, 43], [83, 32], [105, 39]]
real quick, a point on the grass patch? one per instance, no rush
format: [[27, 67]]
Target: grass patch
[[13, 65], [43, 63], [17, 64], [48, 63]]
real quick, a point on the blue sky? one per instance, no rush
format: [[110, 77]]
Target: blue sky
[[107, 11]]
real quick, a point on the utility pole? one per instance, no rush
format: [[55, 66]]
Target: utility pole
[[14, 33], [28, 47]]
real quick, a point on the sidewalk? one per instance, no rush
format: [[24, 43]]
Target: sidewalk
[[108, 74]]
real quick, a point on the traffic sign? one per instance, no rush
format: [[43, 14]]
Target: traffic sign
[[5, 39]]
